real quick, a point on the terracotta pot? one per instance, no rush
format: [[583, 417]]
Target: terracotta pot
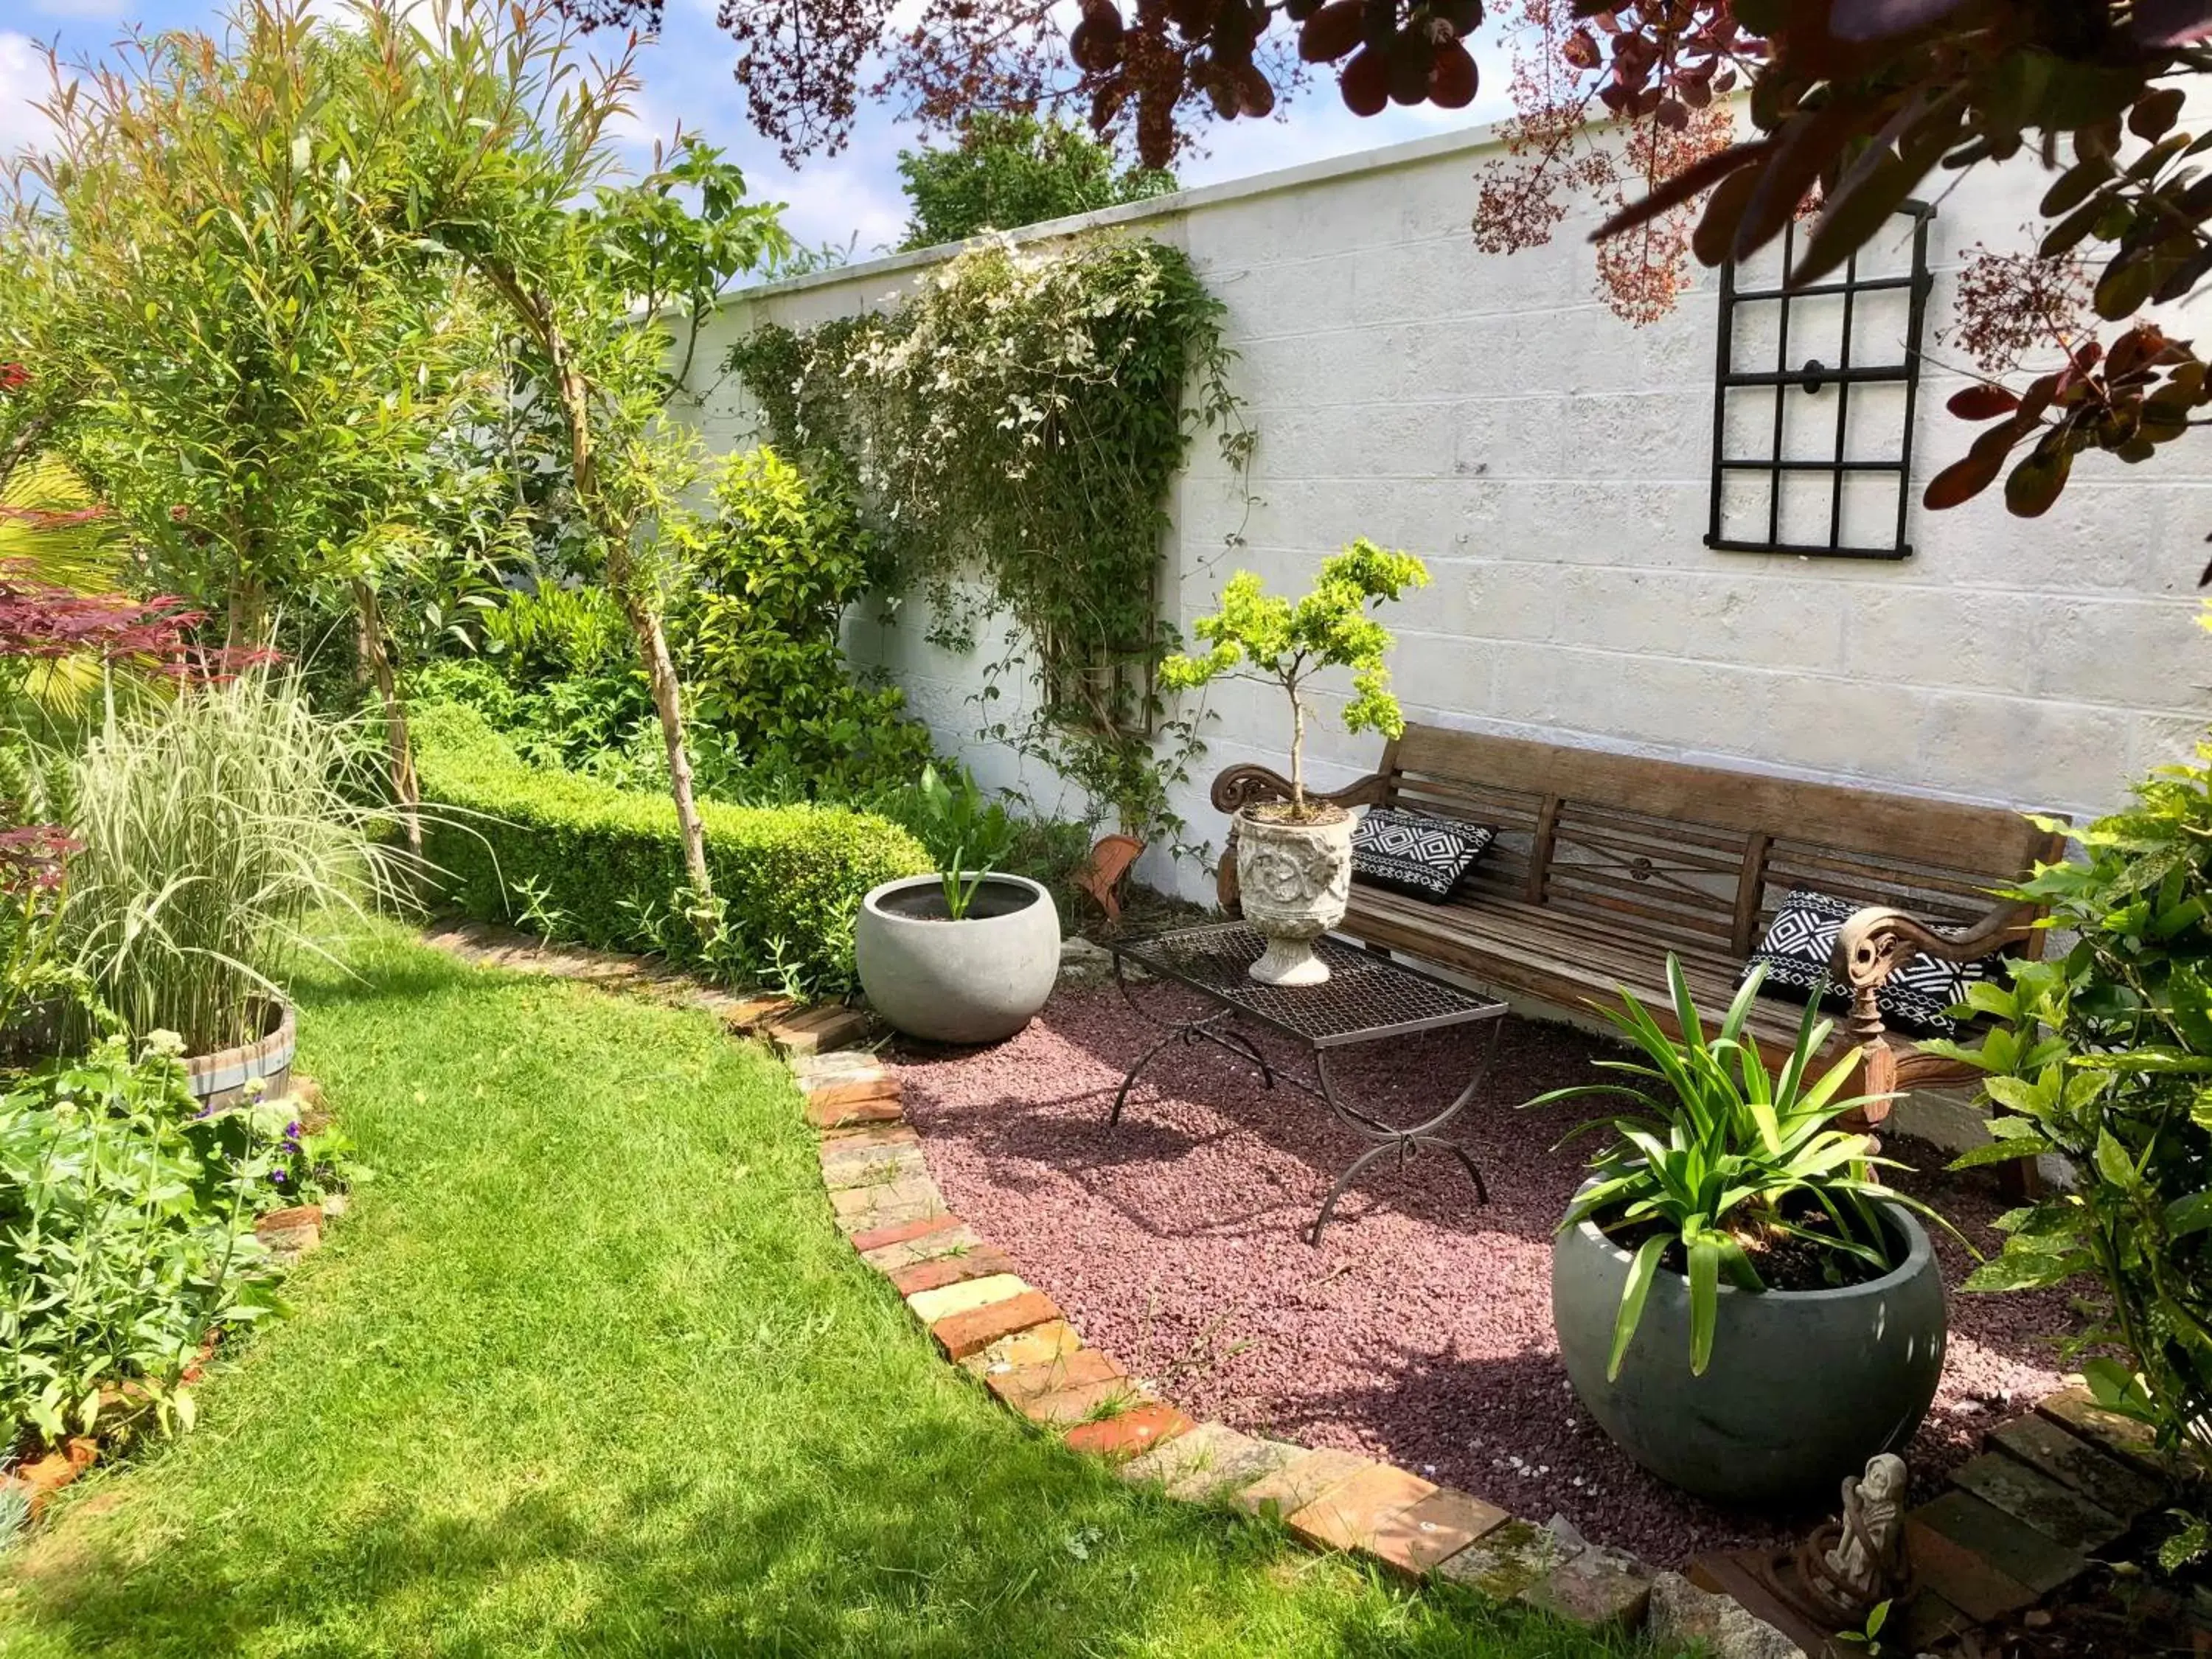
[[1295, 880], [219, 1079]]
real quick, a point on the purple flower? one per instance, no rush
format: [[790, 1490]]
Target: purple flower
[[276, 1175]]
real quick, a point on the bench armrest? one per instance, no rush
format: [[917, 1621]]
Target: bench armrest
[[1241, 785], [1877, 941], [1246, 784]]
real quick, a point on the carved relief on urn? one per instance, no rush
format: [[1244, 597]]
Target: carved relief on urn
[[1295, 880]]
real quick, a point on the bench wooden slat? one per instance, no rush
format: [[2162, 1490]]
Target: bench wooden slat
[[1987, 840], [1536, 963]]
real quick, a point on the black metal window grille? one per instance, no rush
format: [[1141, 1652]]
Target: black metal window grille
[[1790, 473]]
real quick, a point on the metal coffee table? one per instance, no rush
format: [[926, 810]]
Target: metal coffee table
[[1367, 998]]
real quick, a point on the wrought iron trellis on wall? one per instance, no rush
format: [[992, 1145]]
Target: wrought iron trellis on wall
[[1825, 482]]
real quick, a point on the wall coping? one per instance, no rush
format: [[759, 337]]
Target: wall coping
[[1411, 152]]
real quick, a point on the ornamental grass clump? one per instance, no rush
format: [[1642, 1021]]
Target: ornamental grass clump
[[1724, 1166], [211, 831]]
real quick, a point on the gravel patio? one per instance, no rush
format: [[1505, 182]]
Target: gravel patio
[[1419, 1330]]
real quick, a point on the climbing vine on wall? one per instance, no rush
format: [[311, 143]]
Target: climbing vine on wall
[[1018, 422]]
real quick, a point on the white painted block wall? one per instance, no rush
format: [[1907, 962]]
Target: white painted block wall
[[1551, 465]]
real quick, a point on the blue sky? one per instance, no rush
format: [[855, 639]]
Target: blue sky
[[687, 79]]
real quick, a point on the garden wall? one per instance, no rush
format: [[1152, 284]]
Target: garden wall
[[1552, 464]]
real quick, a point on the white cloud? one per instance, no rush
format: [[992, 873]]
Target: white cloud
[[23, 82]]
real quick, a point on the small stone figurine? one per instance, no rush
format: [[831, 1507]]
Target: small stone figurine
[[1858, 1561]]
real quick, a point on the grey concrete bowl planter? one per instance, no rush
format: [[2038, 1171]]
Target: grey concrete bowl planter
[[1804, 1386], [977, 980]]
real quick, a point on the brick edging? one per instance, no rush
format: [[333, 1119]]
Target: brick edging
[[970, 1295]]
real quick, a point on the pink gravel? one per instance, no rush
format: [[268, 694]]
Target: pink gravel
[[1419, 1331]]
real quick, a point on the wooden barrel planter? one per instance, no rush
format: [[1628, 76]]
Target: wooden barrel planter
[[220, 1079]]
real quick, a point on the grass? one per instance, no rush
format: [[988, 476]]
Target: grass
[[589, 1371]]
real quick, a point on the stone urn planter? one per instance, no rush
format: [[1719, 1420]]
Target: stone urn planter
[[221, 1080], [977, 980], [1294, 879], [1803, 1386]]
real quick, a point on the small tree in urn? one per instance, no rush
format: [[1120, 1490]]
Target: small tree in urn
[[1294, 859]]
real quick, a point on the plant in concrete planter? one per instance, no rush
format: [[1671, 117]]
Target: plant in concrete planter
[[969, 954], [1294, 858], [1738, 1302]]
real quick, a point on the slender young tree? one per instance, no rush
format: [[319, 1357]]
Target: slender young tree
[[284, 276], [509, 130]]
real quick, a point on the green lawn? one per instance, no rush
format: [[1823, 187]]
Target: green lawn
[[589, 1371]]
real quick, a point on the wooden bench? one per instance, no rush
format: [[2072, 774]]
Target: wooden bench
[[1605, 863]]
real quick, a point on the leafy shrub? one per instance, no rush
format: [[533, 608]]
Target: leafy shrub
[[553, 631], [126, 1232], [210, 830], [2105, 1057], [603, 865], [775, 570], [559, 675]]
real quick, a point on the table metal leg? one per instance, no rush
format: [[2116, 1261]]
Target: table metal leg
[[1402, 1140], [1185, 1034], [1188, 1031]]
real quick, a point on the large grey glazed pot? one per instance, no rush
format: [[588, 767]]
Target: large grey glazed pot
[[1804, 1387], [972, 980]]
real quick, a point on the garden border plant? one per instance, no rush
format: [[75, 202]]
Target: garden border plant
[[1021, 419], [2104, 1057]]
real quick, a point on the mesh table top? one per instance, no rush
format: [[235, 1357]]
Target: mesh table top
[[1366, 996]]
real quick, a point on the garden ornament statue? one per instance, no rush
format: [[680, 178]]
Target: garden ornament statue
[[1857, 1561]]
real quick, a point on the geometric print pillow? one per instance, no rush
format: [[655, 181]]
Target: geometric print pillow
[[1796, 950], [1414, 855]]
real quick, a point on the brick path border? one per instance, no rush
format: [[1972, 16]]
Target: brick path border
[[968, 1292]]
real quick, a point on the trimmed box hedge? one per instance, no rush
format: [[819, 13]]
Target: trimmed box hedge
[[608, 861]]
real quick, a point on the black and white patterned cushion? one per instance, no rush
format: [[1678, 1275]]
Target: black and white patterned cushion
[[1420, 856], [1797, 947]]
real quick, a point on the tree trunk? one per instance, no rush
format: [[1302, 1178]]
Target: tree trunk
[[667, 703], [399, 748], [246, 625], [575, 394]]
